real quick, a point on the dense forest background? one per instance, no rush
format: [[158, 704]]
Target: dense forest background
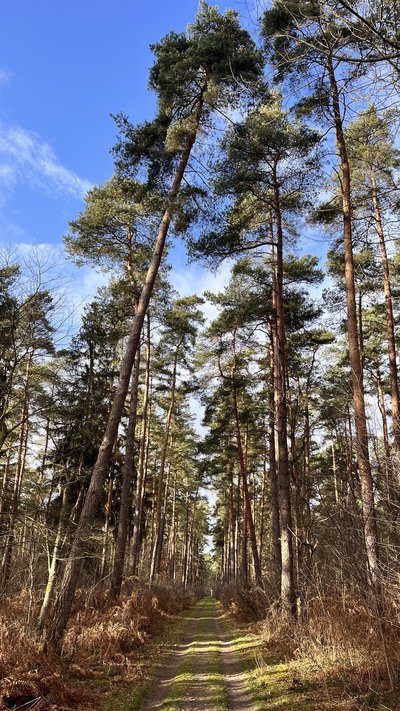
[[261, 142]]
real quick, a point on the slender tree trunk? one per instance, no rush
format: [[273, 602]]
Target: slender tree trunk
[[284, 494], [391, 339], [351, 483], [142, 469], [232, 548], [363, 461], [164, 510], [72, 569], [237, 527], [54, 561], [40, 502], [391, 489], [334, 472], [158, 539], [244, 567], [274, 494], [185, 541], [189, 550], [106, 532], [243, 470], [127, 473], [172, 536], [4, 486], [19, 474], [263, 499], [308, 550]]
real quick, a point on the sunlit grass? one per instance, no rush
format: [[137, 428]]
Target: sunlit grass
[[130, 698], [208, 684]]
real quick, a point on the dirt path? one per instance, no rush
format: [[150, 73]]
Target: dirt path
[[203, 672]]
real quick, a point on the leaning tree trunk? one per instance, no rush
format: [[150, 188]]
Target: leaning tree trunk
[[72, 569], [363, 461]]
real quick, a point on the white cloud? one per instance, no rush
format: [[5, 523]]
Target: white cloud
[[5, 76], [196, 280], [26, 158]]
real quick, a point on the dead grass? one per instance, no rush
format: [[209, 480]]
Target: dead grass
[[102, 641], [335, 652]]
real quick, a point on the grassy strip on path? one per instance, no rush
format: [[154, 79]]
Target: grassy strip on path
[[200, 675]]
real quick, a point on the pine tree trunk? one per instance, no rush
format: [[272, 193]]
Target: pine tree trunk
[[391, 339], [232, 568], [284, 494], [243, 470], [185, 542], [363, 461], [158, 538], [72, 569], [142, 468], [237, 527], [4, 486], [164, 511], [104, 555], [244, 565], [172, 536], [274, 495]]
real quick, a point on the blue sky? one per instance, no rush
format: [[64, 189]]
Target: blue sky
[[64, 68]]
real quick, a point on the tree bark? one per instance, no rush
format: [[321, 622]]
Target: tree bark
[[54, 562], [172, 536]]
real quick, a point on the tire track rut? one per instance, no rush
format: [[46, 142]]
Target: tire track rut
[[203, 671]]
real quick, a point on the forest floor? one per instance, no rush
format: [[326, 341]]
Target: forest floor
[[203, 662]]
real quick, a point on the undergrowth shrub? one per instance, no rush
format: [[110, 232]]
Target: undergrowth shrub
[[337, 634], [101, 639], [103, 634], [246, 605]]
